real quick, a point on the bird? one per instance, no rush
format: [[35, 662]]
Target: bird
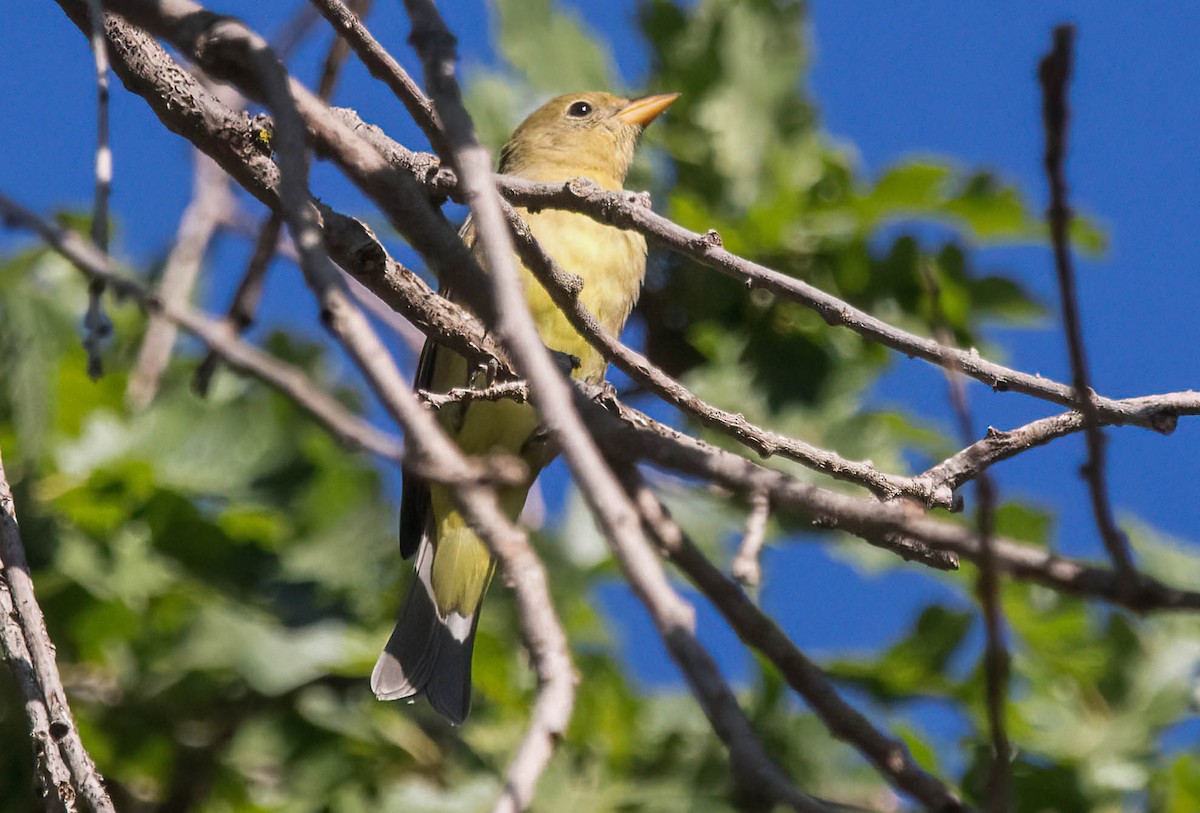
[[590, 135]]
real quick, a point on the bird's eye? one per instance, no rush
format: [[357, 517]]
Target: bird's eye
[[578, 110]]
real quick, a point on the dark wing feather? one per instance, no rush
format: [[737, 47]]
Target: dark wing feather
[[414, 493]]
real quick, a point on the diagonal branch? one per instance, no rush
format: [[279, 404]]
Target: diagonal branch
[[552, 395], [966, 464], [244, 305], [633, 436], [630, 211], [384, 67], [565, 292], [212, 198], [85, 780], [758, 630]]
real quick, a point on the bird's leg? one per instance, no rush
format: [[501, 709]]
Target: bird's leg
[[605, 392]]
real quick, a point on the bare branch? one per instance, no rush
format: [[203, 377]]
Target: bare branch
[[97, 326], [384, 67], [631, 435], [551, 394], [54, 779], [211, 200], [987, 586], [85, 780], [244, 304], [505, 390], [966, 464], [565, 291], [335, 57], [630, 211], [1054, 73], [746, 567], [758, 630]]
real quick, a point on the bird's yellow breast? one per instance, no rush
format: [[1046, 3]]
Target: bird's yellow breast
[[610, 261]]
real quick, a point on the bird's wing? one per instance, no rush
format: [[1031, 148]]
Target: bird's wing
[[414, 493]]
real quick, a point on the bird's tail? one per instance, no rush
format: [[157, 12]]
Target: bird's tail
[[428, 653]]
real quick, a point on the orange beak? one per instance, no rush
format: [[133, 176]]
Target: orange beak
[[645, 110]]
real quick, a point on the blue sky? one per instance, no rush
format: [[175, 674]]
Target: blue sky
[[891, 81]]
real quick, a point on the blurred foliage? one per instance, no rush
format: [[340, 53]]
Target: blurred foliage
[[218, 575]]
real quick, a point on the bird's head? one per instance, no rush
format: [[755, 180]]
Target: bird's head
[[581, 134]]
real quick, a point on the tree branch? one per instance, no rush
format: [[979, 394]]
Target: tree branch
[[85, 780], [1054, 73], [97, 325], [987, 586], [244, 305], [551, 394], [634, 436], [756, 629], [212, 198], [630, 211], [233, 46], [384, 67], [746, 567]]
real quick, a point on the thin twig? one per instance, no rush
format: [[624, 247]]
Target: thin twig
[[350, 429], [999, 445], [633, 436], [85, 779], [335, 57], [1054, 73], [97, 326], [758, 630], [746, 567], [291, 35], [384, 67], [244, 304], [515, 391], [987, 586], [212, 199]]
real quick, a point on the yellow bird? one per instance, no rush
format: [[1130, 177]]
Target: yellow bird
[[589, 135]]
